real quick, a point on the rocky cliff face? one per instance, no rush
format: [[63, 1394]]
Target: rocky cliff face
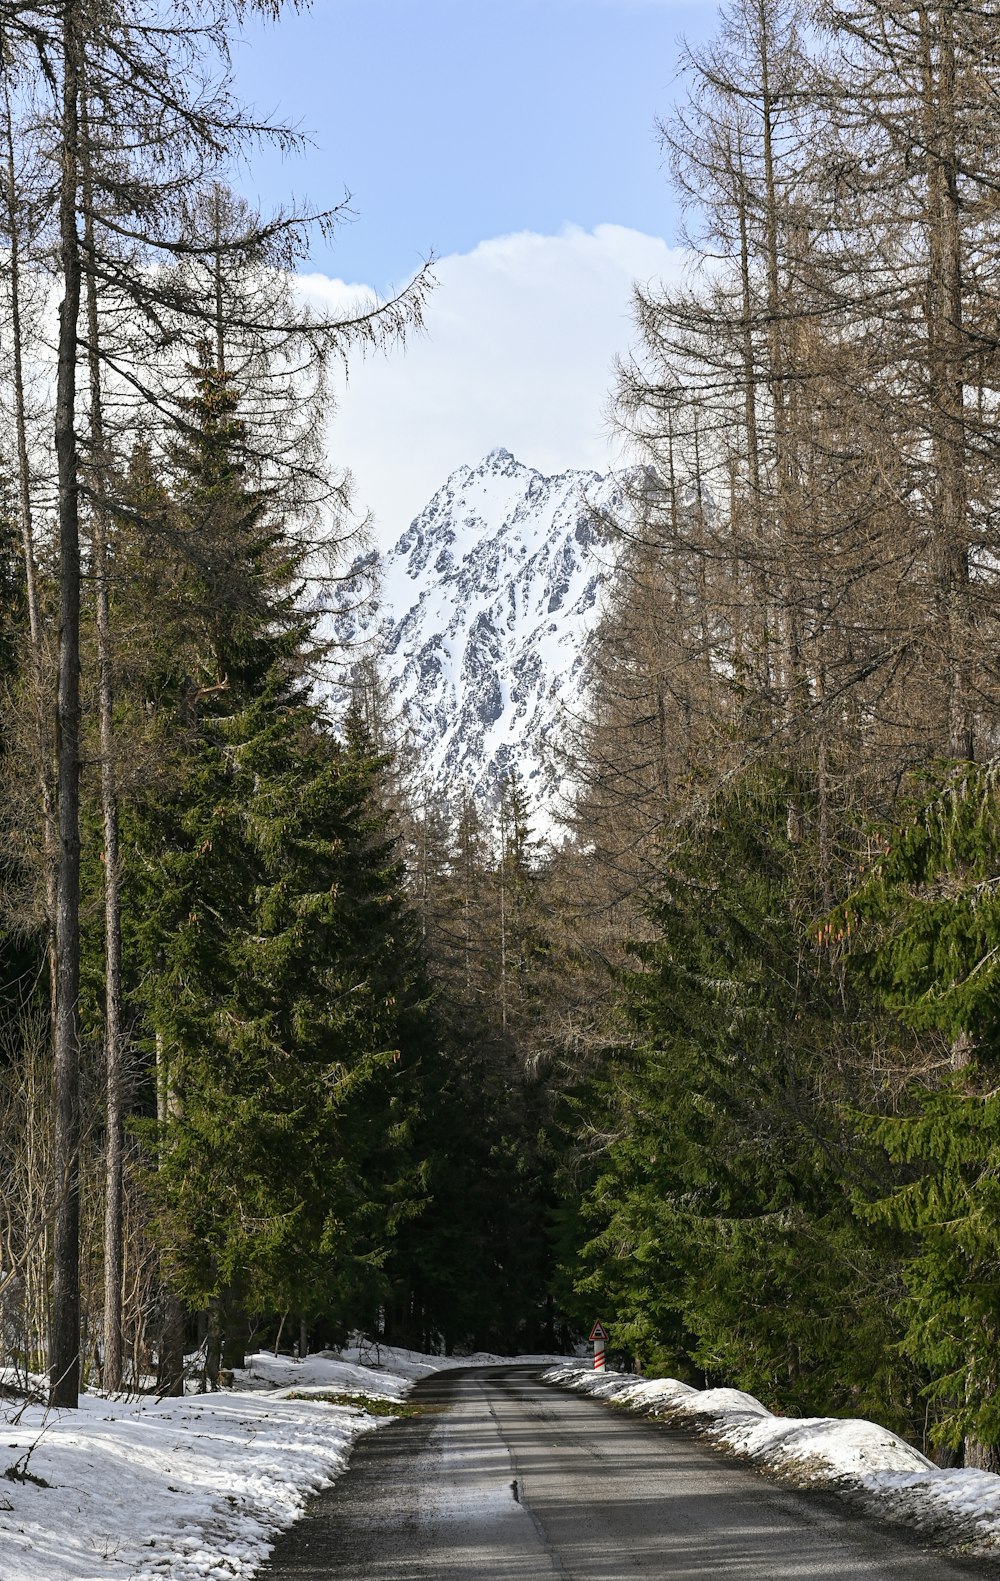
[[488, 602]]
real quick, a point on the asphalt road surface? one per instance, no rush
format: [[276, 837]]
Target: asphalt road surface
[[505, 1478]]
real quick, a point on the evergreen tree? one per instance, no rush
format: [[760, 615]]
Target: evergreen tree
[[475, 1269], [721, 1233], [279, 981], [285, 1003], [924, 929]]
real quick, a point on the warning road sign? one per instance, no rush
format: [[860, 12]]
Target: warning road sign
[[598, 1332]]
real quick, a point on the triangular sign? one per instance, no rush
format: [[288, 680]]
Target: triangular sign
[[598, 1332]]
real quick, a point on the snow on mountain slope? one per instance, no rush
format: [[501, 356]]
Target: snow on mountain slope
[[488, 601]]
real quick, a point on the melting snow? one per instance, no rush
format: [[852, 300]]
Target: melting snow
[[196, 1489], [847, 1453], [186, 1490]]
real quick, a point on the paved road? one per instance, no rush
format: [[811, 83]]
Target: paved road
[[507, 1479]]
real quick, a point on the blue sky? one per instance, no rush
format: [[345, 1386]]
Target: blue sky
[[452, 121], [515, 140]]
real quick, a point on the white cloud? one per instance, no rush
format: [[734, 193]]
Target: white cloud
[[518, 351]]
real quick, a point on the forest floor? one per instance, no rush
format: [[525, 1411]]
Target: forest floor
[[192, 1489]]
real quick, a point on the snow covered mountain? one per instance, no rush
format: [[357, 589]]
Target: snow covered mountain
[[488, 601]]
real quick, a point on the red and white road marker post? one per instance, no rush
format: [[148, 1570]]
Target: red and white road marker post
[[598, 1338]]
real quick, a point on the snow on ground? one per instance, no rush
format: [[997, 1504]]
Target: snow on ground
[[186, 1490], [196, 1489], [852, 1455], [414, 1364]]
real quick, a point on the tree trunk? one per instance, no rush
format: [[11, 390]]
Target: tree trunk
[[114, 1161], [42, 722], [64, 1361], [170, 1374], [945, 340], [981, 1457], [213, 1344], [777, 312], [234, 1335], [759, 657]]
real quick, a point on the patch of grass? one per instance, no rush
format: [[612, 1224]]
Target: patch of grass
[[360, 1402]]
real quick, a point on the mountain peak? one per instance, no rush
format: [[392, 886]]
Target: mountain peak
[[500, 459], [490, 597]]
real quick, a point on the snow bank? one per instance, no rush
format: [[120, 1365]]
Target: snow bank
[[183, 1490], [186, 1489], [330, 1371], [846, 1453], [413, 1364]]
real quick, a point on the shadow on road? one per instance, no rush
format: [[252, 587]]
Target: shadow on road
[[505, 1479]]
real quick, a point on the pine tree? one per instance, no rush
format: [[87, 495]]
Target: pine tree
[[924, 929], [722, 1238], [280, 979]]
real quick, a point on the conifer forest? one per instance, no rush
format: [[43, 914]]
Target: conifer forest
[[293, 1044]]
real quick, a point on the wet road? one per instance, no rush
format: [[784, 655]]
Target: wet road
[[507, 1479]]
